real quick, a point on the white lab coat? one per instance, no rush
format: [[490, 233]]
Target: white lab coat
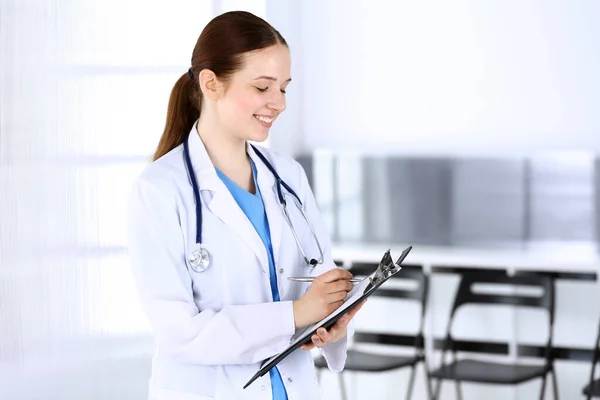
[[212, 329]]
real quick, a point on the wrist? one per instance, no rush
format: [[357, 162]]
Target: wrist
[[299, 321]]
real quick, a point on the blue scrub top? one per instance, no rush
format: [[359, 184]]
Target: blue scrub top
[[253, 207]]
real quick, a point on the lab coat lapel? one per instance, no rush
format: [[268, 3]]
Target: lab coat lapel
[[224, 206], [268, 188], [222, 203]]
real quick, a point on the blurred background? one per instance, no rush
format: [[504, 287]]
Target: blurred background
[[467, 128]]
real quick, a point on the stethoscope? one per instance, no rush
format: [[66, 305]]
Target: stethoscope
[[199, 259]]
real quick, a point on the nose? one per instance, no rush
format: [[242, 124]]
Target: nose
[[277, 102]]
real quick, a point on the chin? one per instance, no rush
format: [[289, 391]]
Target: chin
[[259, 136]]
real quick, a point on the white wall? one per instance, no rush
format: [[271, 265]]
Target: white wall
[[451, 76], [288, 133]]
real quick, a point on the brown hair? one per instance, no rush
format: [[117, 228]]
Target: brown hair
[[219, 48]]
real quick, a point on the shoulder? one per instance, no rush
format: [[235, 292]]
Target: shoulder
[[162, 176]]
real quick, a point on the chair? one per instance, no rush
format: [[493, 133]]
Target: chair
[[593, 388], [370, 362], [469, 370]]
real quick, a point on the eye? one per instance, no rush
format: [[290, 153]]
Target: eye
[[262, 90]]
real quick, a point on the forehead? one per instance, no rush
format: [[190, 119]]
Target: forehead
[[272, 61]]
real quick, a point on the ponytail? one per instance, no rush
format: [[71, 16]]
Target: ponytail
[[184, 109]]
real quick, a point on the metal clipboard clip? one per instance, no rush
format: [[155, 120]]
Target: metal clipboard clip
[[387, 267]]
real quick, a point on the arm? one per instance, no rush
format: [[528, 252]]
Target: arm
[[232, 335], [334, 353]]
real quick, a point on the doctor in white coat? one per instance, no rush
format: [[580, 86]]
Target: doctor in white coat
[[210, 246]]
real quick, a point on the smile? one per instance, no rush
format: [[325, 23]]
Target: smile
[[266, 120]]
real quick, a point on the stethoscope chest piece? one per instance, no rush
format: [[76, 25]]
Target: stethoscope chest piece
[[199, 259]]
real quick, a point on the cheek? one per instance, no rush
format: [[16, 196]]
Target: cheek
[[243, 105], [251, 103]]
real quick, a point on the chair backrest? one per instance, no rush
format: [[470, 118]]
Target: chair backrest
[[419, 294], [467, 295]]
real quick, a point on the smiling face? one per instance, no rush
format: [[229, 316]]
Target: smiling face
[[254, 96]]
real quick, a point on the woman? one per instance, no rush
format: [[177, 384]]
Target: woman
[[211, 262]]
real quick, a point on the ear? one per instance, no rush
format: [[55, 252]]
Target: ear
[[209, 84]]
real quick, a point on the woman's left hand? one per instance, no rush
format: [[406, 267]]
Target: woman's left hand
[[336, 332]]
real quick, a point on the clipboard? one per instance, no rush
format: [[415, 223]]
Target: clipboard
[[385, 270]]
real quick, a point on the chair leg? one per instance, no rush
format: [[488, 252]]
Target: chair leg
[[554, 384], [428, 382], [411, 382], [438, 386], [342, 386], [543, 389], [459, 395]]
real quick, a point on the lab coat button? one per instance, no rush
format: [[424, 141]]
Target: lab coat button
[[263, 388], [289, 379], [281, 271]]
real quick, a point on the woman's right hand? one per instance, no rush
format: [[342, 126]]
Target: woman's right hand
[[325, 294]]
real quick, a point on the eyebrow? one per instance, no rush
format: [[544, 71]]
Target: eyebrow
[[270, 78]]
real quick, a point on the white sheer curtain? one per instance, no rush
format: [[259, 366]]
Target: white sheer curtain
[[84, 87]]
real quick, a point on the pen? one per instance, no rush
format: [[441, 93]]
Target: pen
[[310, 279]]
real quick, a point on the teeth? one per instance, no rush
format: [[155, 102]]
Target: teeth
[[266, 120]]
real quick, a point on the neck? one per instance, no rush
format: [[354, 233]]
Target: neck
[[226, 152]]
